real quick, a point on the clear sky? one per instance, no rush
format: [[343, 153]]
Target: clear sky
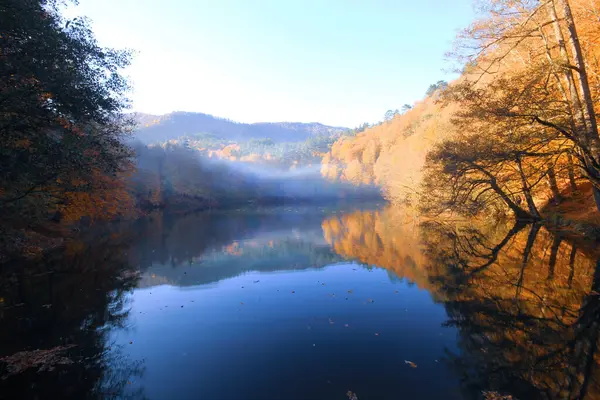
[[339, 62]]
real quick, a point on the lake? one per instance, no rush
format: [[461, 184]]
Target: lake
[[305, 303]]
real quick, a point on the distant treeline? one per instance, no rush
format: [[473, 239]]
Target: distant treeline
[[65, 162]]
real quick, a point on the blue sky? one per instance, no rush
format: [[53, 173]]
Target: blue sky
[[339, 62]]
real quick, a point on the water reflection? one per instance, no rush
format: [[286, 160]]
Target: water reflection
[[525, 300], [524, 304], [70, 301], [207, 248], [527, 309]]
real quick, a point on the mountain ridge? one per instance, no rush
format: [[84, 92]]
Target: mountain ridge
[[155, 128]]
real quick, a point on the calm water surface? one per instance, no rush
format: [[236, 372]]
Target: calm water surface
[[305, 303]]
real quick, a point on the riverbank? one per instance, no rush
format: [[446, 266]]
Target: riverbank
[[575, 215]]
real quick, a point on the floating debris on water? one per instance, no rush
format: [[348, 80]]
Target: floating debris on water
[[43, 360], [412, 364], [351, 395]]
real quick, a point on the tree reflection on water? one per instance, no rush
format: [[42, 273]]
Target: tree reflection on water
[[525, 300]]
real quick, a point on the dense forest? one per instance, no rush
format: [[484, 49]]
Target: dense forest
[[515, 132]]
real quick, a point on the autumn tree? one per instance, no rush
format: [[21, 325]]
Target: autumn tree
[[61, 109], [525, 63]]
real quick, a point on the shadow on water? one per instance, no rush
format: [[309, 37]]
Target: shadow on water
[[527, 308], [524, 302], [66, 306]]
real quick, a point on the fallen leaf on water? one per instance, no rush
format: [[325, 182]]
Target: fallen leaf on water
[[412, 364], [495, 396], [43, 360], [131, 342], [350, 291], [323, 284], [351, 395], [241, 302], [395, 291], [256, 281], [293, 291], [370, 301]]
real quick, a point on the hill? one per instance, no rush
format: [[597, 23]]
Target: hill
[[160, 128], [392, 153]]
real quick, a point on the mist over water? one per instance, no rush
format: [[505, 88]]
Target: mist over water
[[183, 171]]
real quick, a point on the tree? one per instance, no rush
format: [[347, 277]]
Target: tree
[[406, 108], [62, 100], [389, 115], [526, 63], [439, 85], [491, 164]]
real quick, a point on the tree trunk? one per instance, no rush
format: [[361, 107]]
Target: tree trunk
[[571, 172], [592, 139], [520, 214], [583, 81], [572, 264], [556, 196], [596, 197], [553, 255], [527, 192], [526, 252], [568, 73]]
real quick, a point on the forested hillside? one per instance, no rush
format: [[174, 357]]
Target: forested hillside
[[392, 153], [518, 129]]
